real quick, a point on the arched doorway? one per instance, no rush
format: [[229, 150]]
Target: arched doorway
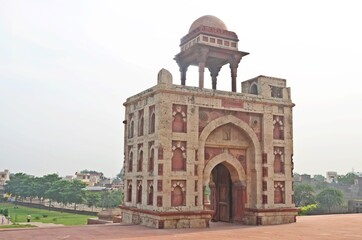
[[221, 193], [226, 178]]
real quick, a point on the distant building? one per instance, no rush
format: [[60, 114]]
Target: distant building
[[91, 179], [95, 189], [69, 177], [117, 184], [331, 177], [355, 206], [106, 182], [4, 176], [305, 178], [356, 188]]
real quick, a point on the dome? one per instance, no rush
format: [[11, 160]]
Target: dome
[[208, 20]]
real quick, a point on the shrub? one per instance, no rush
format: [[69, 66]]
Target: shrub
[[45, 215], [4, 212], [330, 198], [306, 209], [37, 218]]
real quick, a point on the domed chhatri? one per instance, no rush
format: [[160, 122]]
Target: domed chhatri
[[209, 44], [208, 20]]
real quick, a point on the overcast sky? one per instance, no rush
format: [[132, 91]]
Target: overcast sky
[[66, 68]]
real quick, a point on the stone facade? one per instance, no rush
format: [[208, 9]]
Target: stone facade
[[195, 155]]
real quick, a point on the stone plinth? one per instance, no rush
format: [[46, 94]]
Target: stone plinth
[[161, 220]]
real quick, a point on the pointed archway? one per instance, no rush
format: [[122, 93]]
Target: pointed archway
[[227, 181]]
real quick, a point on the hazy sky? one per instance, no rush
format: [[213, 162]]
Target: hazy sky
[[66, 68]]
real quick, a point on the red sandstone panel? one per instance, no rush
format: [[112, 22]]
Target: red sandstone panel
[[178, 161], [233, 103], [278, 127], [160, 153], [160, 169], [279, 192], [179, 115], [178, 193], [159, 186], [159, 201]]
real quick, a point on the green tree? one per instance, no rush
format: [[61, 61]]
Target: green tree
[[319, 178], [92, 198], [110, 199], [330, 198], [347, 179], [56, 192], [73, 193], [32, 185], [65, 192], [20, 185], [320, 185], [45, 183], [303, 194]]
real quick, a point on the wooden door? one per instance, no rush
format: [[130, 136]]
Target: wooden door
[[223, 193]]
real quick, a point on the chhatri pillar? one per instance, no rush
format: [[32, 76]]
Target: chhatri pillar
[[209, 44], [183, 71]]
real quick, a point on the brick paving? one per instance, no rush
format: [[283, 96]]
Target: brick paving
[[344, 226]]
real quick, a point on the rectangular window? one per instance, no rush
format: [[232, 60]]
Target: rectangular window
[[276, 92]]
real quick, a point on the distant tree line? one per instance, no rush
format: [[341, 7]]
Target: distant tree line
[[52, 187], [318, 195]]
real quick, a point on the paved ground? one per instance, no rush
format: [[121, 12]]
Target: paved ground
[[40, 224], [348, 226]]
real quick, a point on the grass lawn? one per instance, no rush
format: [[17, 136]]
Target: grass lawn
[[18, 215]]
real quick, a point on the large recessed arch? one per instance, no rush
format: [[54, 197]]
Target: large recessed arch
[[249, 132], [254, 164]]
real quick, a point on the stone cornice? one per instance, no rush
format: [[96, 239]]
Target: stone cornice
[[216, 94], [217, 32]]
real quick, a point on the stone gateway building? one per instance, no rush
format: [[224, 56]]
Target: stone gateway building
[[195, 155]]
